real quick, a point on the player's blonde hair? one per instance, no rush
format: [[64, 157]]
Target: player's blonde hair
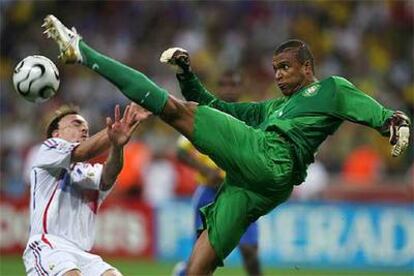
[[55, 117]]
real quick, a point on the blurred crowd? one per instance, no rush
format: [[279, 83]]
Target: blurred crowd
[[368, 42]]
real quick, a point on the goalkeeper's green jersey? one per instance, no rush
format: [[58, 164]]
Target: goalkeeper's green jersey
[[307, 117]]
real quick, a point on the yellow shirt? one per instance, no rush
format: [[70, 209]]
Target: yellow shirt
[[185, 145]]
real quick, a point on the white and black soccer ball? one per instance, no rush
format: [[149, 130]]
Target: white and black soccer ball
[[36, 78]]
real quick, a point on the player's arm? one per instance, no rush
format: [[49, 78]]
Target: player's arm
[[250, 113], [192, 89], [93, 146], [213, 175], [59, 153], [354, 105], [186, 154], [100, 142], [112, 167], [119, 132]]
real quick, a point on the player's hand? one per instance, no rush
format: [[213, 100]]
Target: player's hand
[[178, 58], [121, 128], [141, 113], [399, 125]]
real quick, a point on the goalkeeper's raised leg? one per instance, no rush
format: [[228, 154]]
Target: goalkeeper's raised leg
[[132, 83]]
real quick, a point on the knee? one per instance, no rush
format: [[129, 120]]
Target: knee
[[180, 115], [176, 109]]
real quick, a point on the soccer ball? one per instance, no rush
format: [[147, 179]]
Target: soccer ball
[[36, 79]]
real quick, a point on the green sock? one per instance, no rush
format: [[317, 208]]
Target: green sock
[[133, 84]]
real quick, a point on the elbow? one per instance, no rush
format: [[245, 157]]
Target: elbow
[[106, 184], [109, 176]]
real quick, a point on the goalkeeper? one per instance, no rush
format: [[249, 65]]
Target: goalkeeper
[[264, 147]]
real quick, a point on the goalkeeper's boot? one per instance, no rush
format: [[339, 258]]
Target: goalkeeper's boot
[[67, 40]]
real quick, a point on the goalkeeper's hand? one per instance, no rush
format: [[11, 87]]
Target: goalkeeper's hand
[[178, 58], [399, 125]]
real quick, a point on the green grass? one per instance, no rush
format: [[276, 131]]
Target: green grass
[[13, 266]]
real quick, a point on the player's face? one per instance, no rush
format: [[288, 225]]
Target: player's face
[[289, 72], [73, 128], [228, 89]]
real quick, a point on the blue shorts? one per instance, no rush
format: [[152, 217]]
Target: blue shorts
[[205, 195]]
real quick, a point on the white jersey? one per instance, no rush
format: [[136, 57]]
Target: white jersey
[[65, 196]]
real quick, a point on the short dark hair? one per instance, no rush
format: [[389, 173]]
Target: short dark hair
[[54, 119], [303, 52]]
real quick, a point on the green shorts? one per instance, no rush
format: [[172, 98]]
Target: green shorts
[[259, 172]]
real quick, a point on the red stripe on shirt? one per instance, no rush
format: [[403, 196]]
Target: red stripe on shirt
[[50, 200], [46, 241]]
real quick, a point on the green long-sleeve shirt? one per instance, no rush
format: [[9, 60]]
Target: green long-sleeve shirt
[[307, 117]]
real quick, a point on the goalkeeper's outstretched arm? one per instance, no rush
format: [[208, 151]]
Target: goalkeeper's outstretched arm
[[394, 124], [192, 90]]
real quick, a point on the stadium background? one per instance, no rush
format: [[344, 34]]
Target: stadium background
[[357, 211]]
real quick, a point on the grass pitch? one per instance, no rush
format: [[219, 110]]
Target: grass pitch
[[13, 266]]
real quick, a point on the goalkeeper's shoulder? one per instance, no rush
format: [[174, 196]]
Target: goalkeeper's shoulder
[[338, 81]]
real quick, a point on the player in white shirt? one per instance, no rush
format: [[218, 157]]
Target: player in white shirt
[[66, 192]]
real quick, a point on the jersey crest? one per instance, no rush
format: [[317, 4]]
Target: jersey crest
[[311, 91]]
